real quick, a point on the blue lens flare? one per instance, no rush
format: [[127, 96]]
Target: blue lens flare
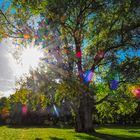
[[114, 84], [56, 110], [87, 76]]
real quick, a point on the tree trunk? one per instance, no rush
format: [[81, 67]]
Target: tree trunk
[[84, 115], [79, 122], [88, 123]]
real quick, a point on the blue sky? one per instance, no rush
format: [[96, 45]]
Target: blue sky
[[6, 4], [129, 52]]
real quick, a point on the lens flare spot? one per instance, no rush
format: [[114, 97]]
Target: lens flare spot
[[114, 84], [26, 36], [135, 90], [87, 75], [79, 54], [24, 109], [56, 110]]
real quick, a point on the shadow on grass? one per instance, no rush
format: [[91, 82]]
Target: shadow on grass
[[114, 137], [55, 138], [35, 126], [134, 131], [1, 125], [38, 138], [137, 126], [27, 126], [101, 136]]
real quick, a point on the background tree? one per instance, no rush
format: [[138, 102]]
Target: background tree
[[4, 109]]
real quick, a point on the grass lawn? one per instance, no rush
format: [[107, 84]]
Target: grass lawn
[[103, 133]]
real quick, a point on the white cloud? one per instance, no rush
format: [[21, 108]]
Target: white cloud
[[7, 78], [11, 69]]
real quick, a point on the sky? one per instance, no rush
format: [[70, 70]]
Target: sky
[[7, 73], [10, 69], [3, 5]]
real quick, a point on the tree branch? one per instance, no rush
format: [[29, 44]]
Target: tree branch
[[123, 30], [103, 99], [9, 21]]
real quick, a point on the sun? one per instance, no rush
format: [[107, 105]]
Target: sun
[[30, 58]]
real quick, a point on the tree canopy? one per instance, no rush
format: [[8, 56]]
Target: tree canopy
[[94, 37]]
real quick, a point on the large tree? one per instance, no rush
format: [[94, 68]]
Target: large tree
[[93, 32]]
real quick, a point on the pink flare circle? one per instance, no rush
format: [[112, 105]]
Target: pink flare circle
[[24, 109]]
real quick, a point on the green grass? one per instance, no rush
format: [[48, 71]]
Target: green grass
[[103, 133]]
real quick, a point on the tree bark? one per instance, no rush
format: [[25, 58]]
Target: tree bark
[[79, 121], [88, 123], [84, 121]]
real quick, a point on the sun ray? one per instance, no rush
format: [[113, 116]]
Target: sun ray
[[30, 58]]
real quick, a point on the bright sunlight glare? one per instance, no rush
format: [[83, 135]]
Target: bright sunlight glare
[[30, 58]]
